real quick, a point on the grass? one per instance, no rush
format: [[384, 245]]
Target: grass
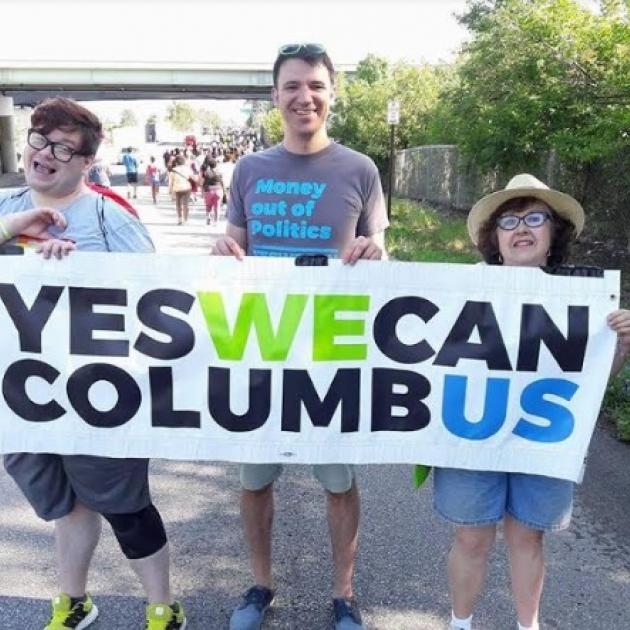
[[421, 234]]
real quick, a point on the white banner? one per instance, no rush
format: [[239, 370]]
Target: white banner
[[467, 366]]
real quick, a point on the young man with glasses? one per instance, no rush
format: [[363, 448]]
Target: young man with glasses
[[307, 195], [74, 491]]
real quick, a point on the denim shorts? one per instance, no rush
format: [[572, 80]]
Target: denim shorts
[[335, 478], [474, 498]]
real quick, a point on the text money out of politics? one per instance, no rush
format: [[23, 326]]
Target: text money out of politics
[[467, 366]]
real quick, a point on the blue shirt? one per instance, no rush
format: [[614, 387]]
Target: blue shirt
[[130, 162], [95, 223]]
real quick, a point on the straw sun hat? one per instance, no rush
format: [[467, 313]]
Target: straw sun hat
[[525, 185]]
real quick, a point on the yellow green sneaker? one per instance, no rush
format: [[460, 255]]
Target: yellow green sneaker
[[165, 617], [65, 615]]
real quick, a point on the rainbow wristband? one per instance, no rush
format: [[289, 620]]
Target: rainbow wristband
[[4, 232]]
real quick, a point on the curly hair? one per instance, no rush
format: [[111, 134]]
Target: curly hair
[[562, 233], [67, 115]]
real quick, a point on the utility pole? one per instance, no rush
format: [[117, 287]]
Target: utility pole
[[393, 118]]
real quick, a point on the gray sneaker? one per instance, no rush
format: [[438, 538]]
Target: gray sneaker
[[346, 613], [249, 614]]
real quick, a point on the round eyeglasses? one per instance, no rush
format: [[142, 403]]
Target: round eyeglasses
[[59, 151], [534, 219]]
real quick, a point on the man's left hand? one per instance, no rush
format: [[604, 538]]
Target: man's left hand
[[362, 247]]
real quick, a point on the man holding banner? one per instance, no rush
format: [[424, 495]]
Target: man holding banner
[[526, 225], [305, 196], [76, 490]]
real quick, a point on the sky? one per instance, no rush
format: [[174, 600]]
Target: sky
[[208, 31], [236, 30]]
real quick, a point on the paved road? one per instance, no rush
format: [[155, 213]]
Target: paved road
[[400, 572]]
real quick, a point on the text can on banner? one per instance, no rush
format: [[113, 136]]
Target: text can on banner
[[465, 366]]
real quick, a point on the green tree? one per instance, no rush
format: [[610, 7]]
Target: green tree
[[207, 118], [272, 127], [128, 118], [257, 111], [359, 115], [181, 116], [542, 74]]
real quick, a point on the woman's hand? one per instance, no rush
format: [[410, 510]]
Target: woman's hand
[[35, 222], [619, 321], [55, 247]]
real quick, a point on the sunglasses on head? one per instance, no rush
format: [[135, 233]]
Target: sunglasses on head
[[288, 50], [531, 219]]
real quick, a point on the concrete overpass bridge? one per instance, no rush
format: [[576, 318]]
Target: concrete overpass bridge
[[26, 83]]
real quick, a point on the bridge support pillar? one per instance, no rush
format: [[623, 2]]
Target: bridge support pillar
[[8, 155]]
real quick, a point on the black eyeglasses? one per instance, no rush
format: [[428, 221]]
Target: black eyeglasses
[[288, 50], [59, 151], [534, 219]]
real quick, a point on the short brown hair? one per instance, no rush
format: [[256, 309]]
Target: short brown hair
[[312, 59], [563, 233], [67, 115]]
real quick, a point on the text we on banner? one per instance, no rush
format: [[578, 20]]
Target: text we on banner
[[467, 366]]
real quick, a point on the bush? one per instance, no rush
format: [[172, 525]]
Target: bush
[[617, 403]]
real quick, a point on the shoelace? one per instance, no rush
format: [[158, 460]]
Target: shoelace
[[173, 623], [77, 614]]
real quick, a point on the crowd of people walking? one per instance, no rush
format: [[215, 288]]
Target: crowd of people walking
[[190, 174]]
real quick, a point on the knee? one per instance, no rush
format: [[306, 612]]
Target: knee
[[474, 542], [258, 493], [343, 495], [525, 540], [139, 534]]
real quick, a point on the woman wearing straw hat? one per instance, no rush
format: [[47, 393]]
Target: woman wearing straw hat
[[526, 224]]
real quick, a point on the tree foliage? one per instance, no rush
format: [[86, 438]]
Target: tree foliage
[[359, 114], [542, 74], [257, 112], [128, 118], [181, 116], [272, 127], [208, 118]]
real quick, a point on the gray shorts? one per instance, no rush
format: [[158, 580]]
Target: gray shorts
[[335, 478], [52, 483]]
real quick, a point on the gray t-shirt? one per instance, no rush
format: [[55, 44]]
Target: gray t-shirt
[[95, 223], [295, 204]]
